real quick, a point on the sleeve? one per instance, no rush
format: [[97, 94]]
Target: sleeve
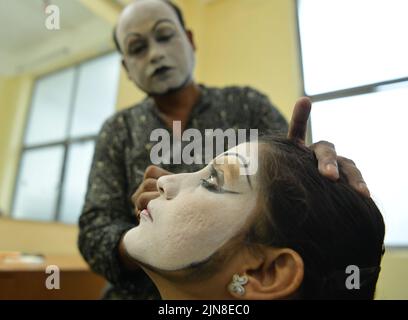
[[107, 214], [265, 116]]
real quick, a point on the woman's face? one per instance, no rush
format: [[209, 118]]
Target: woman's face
[[196, 213]]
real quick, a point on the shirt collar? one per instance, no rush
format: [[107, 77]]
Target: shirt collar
[[202, 104]]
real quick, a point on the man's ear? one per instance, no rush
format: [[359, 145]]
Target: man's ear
[[273, 274], [190, 37]]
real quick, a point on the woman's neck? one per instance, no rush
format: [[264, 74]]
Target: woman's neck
[[177, 290]]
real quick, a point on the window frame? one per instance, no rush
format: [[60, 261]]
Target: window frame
[[65, 143], [337, 94]]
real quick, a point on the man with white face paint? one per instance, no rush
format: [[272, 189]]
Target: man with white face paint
[[158, 55]]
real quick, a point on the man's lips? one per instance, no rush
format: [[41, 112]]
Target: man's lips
[[161, 70]]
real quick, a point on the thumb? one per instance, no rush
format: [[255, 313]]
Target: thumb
[[298, 123]]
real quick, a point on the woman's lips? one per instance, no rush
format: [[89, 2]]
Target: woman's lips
[[145, 213]]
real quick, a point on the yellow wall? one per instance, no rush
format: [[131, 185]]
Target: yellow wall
[[14, 100], [128, 94], [243, 42], [393, 282], [253, 42]]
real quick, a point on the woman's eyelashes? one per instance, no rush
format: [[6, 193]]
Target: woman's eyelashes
[[212, 183], [215, 182], [209, 186]]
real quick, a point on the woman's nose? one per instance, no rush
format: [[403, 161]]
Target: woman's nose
[[160, 186], [167, 186]]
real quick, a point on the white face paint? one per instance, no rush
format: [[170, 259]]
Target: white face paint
[[191, 220], [156, 50]]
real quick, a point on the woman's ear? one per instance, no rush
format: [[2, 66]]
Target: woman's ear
[[274, 274]]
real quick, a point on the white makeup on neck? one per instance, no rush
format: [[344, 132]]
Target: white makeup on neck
[[156, 50], [196, 213]]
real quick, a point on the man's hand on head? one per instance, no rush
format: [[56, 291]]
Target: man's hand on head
[[325, 152], [147, 190]]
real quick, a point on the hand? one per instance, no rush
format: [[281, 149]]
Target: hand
[[145, 192], [148, 188], [325, 151]]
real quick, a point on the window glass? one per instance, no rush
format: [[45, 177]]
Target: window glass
[[96, 94], [38, 183], [77, 169], [371, 130], [349, 43], [49, 113]]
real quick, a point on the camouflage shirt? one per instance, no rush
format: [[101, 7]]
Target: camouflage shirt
[[122, 154]]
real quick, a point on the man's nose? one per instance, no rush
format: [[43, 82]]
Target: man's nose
[[156, 54]]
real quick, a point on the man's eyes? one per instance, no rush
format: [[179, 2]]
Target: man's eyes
[[140, 47], [137, 48], [164, 37]]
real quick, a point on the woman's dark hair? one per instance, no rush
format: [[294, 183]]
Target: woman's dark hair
[[330, 225], [176, 9]]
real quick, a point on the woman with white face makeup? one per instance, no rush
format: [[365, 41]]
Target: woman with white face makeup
[[284, 232]]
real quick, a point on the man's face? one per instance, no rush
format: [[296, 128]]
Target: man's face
[[156, 50]]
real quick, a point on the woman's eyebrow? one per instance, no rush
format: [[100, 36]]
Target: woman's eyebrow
[[244, 163]]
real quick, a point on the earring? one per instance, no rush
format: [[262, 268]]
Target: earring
[[237, 283]]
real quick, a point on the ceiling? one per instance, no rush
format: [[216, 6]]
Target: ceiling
[[28, 46]]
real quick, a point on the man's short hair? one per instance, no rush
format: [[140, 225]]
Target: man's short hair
[[176, 9]]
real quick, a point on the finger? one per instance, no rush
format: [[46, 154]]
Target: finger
[[298, 122], [327, 159], [144, 198], [138, 214], [354, 176], [155, 172], [136, 194], [150, 184], [147, 185]]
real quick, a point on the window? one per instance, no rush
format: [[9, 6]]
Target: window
[[354, 57], [67, 110]]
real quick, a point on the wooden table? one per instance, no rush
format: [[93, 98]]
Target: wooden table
[[28, 281]]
